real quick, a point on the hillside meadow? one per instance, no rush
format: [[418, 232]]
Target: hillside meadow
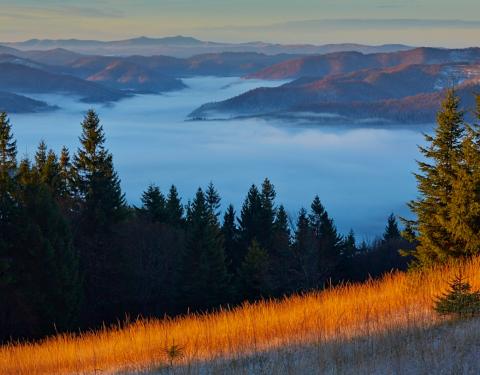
[[385, 313]]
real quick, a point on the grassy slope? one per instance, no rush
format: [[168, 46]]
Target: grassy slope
[[351, 325]]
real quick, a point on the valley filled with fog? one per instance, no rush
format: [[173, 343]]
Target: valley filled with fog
[[361, 174]]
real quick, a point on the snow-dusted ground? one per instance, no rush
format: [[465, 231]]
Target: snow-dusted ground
[[452, 348]]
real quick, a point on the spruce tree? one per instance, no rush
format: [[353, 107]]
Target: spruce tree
[[250, 218], [173, 208], [8, 153], [153, 204], [267, 215], [65, 176], [230, 233], [305, 248], [328, 240], [213, 200], [203, 268], [464, 207], [281, 255], [435, 185], [391, 230], [96, 179], [46, 263], [8, 208], [41, 155], [349, 245]]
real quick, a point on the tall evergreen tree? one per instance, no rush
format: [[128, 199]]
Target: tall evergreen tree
[[213, 200], [8, 153], [47, 264], [41, 155], [327, 237], [65, 176], [154, 204], [230, 233], [305, 249], [391, 230], [203, 269], [281, 255], [435, 185], [173, 208], [250, 218], [464, 224], [349, 245], [8, 212], [96, 179], [267, 215]]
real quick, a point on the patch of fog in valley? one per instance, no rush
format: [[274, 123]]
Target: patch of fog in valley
[[360, 174]]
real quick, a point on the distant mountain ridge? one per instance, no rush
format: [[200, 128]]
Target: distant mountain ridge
[[406, 93], [185, 46], [14, 103], [345, 62]]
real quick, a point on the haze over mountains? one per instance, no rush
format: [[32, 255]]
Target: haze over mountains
[[400, 87], [331, 83], [182, 46]]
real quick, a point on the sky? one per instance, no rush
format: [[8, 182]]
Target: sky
[[416, 22]]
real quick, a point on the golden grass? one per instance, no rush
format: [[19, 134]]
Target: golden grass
[[398, 301]]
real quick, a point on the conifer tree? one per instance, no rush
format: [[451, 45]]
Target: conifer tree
[[8, 205], [173, 208], [391, 230], [96, 179], [47, 264], [250, 217], [233, 255], [41, 155], [464, 207], [305, 248], [327, 237], [213, 200], [281, 255], [8, 153], [47, 169], [154, 204], [203, 267], [65, 176], [267, 215], [435, 185], [349, 245]]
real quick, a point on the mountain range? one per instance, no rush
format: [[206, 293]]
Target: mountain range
[[184, 46], [394, 84]]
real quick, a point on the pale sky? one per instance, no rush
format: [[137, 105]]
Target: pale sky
[[416, 22]]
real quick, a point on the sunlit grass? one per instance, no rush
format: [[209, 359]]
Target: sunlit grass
[[397, 302]]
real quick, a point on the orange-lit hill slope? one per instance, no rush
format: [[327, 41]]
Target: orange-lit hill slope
[[398, 302]]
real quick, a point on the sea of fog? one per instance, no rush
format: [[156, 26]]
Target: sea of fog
[[361, 174]]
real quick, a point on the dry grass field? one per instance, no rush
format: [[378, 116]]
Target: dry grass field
[[385, 327]]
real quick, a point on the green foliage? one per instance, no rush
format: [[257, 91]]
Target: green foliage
[[173, 353], [436, 183], [8, 150], [103, 203], [459, 300]]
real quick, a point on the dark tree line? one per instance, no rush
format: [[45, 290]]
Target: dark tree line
[[74, 255]]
